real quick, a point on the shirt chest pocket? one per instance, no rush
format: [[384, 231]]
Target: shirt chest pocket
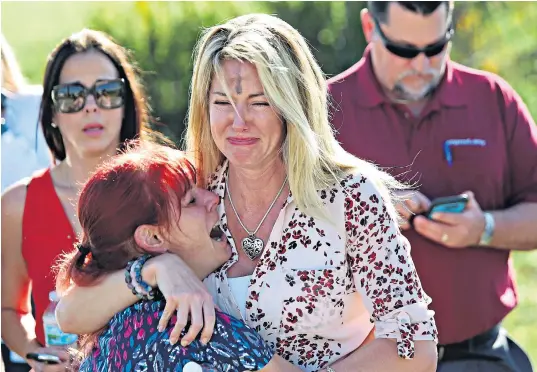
[[312, 299], [477, 168]]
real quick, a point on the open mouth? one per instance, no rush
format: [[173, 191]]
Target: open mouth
[[216, 233]]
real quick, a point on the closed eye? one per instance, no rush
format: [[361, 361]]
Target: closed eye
[[261, 104], [221, 103], [192, 201]]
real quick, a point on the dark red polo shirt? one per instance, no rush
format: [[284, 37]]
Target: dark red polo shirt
[[491, 149]]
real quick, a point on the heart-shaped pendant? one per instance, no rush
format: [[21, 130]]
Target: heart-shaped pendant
[[252, 246]]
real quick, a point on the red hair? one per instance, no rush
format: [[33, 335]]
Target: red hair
[[143, 185]]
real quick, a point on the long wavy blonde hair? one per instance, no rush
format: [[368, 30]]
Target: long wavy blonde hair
[[295, 87]]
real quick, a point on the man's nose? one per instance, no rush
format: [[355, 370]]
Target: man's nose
[[421, 63]]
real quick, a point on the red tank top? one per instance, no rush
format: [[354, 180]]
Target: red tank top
[[46, 233]]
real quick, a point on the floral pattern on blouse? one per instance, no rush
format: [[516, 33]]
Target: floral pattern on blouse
[[321, 284]]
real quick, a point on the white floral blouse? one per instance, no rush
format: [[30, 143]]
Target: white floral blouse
[[320, 287]]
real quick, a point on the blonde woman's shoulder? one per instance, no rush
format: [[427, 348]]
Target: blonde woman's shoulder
[[31, 91], [371, 180], [362, 177], [368, 184], [364, 171]]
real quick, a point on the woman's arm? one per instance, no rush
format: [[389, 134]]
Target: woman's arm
[[278, 364], [385, 276], [18, 324], [381, 356], [84, 310]]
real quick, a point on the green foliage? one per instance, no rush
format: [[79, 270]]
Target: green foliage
[[34, 28], [500, 37], [332, 29], [522, 322], [163, 35]]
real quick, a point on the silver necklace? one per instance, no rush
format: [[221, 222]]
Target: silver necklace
[[252, 245]]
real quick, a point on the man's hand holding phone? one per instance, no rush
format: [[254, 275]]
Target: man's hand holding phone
[[412, 204], [455, 222]]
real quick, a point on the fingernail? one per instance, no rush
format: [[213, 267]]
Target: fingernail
[[184, 343], [204, 341], [160, 328], [173, 341]]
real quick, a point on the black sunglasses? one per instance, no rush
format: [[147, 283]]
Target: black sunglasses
[[409, 51], [71, 98]]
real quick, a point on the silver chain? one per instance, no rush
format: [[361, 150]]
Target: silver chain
[[266, 214]]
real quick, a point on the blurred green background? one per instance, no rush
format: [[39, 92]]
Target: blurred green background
[[496, 36]]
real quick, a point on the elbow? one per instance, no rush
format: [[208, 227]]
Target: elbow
[[67, 320]]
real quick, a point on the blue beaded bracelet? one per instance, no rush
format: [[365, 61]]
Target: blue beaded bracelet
[[138, 274], [136, 266], [128, 280]]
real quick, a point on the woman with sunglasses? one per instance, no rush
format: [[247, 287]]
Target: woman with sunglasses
[[92, 103]]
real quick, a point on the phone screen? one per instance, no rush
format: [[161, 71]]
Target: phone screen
[[457, 207], [450, 204], [44, 358]]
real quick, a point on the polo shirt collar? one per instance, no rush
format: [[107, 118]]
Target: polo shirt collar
[[450, 91], [370, 93]]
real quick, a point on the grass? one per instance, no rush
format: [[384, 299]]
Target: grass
[[34, 28], [522, 322]]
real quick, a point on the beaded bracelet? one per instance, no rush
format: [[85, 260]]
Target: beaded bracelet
[[133, 278], [135, 283], [128, 280]]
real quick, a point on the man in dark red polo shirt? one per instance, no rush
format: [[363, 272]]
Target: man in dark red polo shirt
[[447, 129]]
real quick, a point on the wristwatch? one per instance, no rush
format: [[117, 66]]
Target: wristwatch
[[486, 237]]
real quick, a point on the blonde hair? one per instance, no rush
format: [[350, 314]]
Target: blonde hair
[[12, 77], [295, 87]]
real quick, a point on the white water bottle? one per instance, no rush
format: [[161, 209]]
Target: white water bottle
[[53, 334]]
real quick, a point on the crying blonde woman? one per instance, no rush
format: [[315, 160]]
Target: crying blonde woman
[[318, 265]]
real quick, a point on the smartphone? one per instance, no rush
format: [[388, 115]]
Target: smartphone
[[44, 358], [448, 204]]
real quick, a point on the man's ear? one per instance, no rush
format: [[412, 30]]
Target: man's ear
[[149, 238], [368, 26]]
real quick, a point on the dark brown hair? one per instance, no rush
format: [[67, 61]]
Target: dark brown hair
[[379, 9], [136, 117]]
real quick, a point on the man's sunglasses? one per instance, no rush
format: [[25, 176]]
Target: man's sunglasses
[[409, 51], [71, 98]]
